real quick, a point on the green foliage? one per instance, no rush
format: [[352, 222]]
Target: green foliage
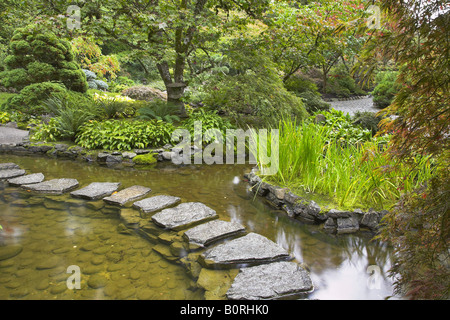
[[89, 55], [30, 99], [342, 84], [252, 93], [367, 120], [159, 110], [145, 159], [209, 120], [386, 87], [124, 135], [38, 55], [415, 38], [69, 116], [4, 97], [307, 90], [46, 132], [353, 175], [120, 84], [339, 126], [113, 108], [422, 260]]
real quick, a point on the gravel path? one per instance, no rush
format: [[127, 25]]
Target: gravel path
[[12, 135], [352, 106]]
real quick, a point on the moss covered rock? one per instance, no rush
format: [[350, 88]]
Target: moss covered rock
[[147, 159]]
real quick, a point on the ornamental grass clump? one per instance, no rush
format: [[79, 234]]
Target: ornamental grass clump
[[354, 175]]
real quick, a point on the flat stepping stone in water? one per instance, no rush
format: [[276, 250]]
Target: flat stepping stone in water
[[56, 186], [8, 166], [184, 216], [27, 179], [251, 249], [129, 194], [11, 173], [156, 203], [207, 233], [270, 281], [96, 190]]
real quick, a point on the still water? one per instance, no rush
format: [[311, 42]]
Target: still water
[[55, 232]]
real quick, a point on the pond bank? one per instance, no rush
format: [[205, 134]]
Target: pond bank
[[308, 211]]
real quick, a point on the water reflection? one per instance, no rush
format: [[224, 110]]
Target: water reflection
[[339, 265]]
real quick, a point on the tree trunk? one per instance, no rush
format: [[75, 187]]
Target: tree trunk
[[175, 90], [325, 79]]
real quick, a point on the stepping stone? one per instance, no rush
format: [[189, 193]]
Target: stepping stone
[[96, 190], [184, 216], [27, 179], [270, 281], [251, 249], [9, 165], [56, 186], [156, 203], [127, 195], [207, 233], [11, 173]]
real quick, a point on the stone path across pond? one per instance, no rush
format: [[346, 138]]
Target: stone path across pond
[[190, 234]]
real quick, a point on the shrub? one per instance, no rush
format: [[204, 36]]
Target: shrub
[[159, 110], [120, 84], [314, 103], [47, 132], [112, 106], [209, 120], [69, 116], [308, 91], [124, 135], [367, 120], [386, 87], [342, 84], [30, 99], [252, 91], [339, 126], [93, 82], [38, 56]]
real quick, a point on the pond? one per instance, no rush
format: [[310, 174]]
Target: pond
[[55, 232]]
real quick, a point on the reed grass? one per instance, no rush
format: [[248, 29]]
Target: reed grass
[[354, 176]]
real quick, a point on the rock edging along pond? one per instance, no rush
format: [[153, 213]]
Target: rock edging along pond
[[189, 234], [110, 158], [308, 211]]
